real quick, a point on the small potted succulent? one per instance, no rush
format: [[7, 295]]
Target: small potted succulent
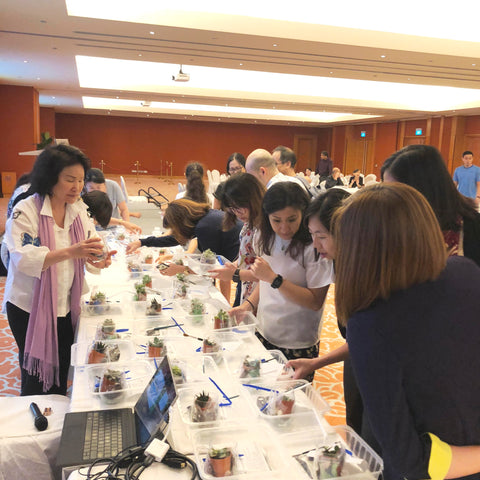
[[250, 367], [147, 281], [155, 347], [204, 408], [154, 308], [180, 285], [221, 320], [98, 300], [134, 269], [121, 237], [108, 330], [97, 353], [210, 346], [140, 293], [208, 257], [282, 403], [178, 375], [148, 259], [220, 461], [113, 381], [329, 460], [197, 310]]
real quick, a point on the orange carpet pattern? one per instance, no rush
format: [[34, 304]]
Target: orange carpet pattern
[[9, 370]]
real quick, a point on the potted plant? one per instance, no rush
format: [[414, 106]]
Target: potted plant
[[134, 269], [178, 375], [220, 461], [45, 140], [98, 300], [147, 281], [250, 367], [140, 293], [221, 320], [98, 353], [204, 408], [154, 308], [208, 257], [180, 285], [210, 346], [284, 403], [148, 259], [113, 381], [155, 347], [329, 461], [108, 330], [197, 310]]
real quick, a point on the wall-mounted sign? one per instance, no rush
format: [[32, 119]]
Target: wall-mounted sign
[[418, 131], [363, 133]]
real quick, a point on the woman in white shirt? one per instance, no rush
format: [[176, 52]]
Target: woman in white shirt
[[49, 237], [293, 281]]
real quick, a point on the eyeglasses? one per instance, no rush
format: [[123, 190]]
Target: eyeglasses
[[236, 210], [235, 169]]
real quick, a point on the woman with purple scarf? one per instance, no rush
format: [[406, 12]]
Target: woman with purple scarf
[[50, 238]]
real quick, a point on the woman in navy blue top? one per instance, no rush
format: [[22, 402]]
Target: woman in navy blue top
[[413, 332]]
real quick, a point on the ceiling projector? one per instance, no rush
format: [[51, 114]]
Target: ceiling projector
[[181, 77]]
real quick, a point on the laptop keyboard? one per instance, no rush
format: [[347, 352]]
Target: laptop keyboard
[[103, 434]]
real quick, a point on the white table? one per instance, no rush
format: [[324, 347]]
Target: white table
[[116, 279], [26, 453]]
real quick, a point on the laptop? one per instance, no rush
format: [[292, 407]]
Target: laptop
[[88, 436]]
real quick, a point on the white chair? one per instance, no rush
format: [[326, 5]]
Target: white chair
[[370, 179], [210, 181], [315, 180], [130, 198], [322, 186], [223, 177], [216, 176], [181, 187]]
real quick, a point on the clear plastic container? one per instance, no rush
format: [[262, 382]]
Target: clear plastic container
[[272, 365], [241, 323], [218, 410], [93, 309], [102, 351], [134, 377], [191, 369], [198, 264], [256, 453], [286, 405], [359, 461]]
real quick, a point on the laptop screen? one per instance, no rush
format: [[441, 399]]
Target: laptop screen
[[151, 409]]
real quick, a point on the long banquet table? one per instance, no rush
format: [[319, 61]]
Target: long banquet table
[[240, 421]]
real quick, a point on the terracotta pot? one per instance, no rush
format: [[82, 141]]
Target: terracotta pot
[[154, 351], [96, 357], [286, 406], [221, 467], [149, 260]]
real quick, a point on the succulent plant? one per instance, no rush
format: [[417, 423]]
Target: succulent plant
[[156, 342], [219, 452], [99, 347], [202, 399], [197, 307], [99, 297], [147, 279]]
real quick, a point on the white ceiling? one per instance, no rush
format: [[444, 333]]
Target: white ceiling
[[42, 46]]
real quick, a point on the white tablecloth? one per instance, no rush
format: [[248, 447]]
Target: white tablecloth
[[26, 453]]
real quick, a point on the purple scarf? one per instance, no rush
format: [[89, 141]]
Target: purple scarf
[[41, 343]]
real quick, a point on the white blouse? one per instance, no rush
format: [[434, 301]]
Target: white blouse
[[287, 324], [26, 258]]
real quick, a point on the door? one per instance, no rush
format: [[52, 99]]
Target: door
[[305, 148]]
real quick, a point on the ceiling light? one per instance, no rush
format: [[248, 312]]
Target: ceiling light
[[214, 110], [382, 56], [142, 76], [238, 15], [152, 33]]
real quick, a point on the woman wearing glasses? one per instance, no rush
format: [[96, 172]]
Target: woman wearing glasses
[[235, 163], [293, 281]]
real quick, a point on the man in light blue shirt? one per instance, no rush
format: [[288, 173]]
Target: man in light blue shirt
[[467, 178]]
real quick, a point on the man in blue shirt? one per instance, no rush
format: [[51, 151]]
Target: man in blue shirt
[[467, 178]]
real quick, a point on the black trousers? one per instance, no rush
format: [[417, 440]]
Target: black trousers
[[18, 321]]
